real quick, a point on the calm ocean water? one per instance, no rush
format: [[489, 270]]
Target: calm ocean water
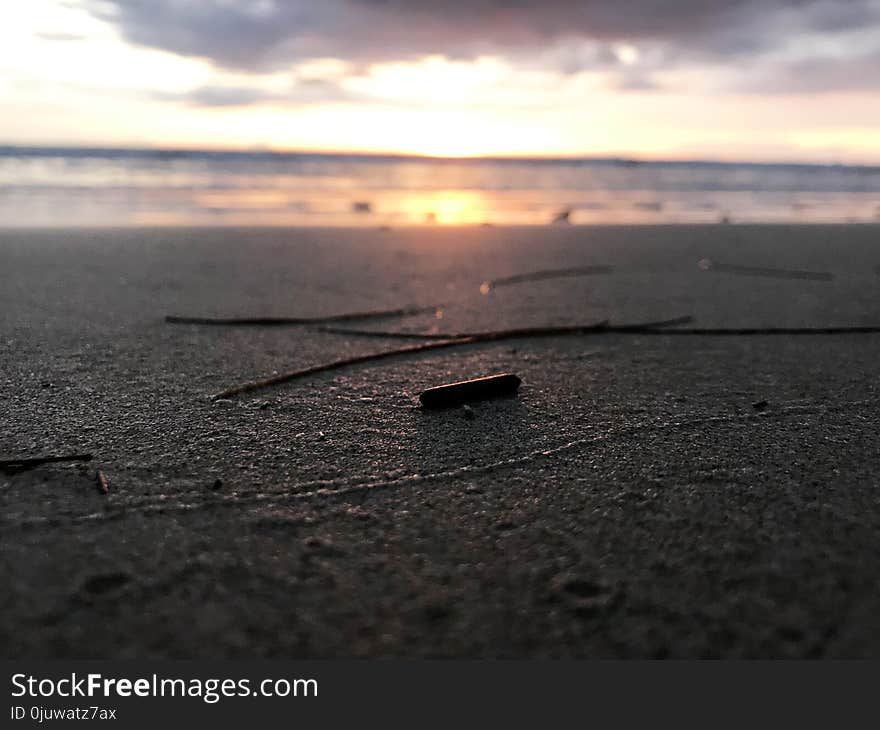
[[82, 187]]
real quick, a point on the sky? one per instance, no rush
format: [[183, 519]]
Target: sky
[[769, 80]]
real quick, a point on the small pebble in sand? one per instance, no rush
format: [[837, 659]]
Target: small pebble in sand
[[321, 436]]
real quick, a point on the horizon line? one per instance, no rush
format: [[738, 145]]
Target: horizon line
[[618, 159]]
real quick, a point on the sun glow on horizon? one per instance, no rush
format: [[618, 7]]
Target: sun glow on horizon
[[72, 77]]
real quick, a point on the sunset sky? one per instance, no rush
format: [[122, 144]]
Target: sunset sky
[[719, 79]]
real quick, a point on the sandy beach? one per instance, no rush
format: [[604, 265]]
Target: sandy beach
[[630, 501]]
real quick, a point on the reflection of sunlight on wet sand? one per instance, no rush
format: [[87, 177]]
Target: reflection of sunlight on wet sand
[[449, 207]]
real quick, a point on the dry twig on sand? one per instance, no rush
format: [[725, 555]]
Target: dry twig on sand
[[648, 328], [666, 327], [448, 342], [511, 334], [710, 265], [720, 331], [491, 284], [32, 462], [372, 357], [282, 321]]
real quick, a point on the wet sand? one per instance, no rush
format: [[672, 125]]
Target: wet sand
[[630, 501]]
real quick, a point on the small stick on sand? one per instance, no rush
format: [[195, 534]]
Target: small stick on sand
[[709, 265], [103, 482], [473, 339], [507, 334], [871, 329], [32, 462], [409, 350], [491, 284], [282, 321], [454, 394]]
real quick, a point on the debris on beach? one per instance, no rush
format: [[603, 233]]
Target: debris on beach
[[523, 333], [277, 321], [13, 465], [103, 482], [361, 206], [469, 413], [455, 394], [440, 341], [663, 328], [710, 265], [574, 271], [563, 217], [760, 405]]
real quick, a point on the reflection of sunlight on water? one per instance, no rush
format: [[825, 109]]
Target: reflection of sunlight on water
[[447, 207], [193, 188]]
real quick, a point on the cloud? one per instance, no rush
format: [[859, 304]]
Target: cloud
[[816, 75], [633, 81], [752, 46], [217, 96], [248, 35], [300, 93]]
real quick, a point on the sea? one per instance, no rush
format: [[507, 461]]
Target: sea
[[64, 187]]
